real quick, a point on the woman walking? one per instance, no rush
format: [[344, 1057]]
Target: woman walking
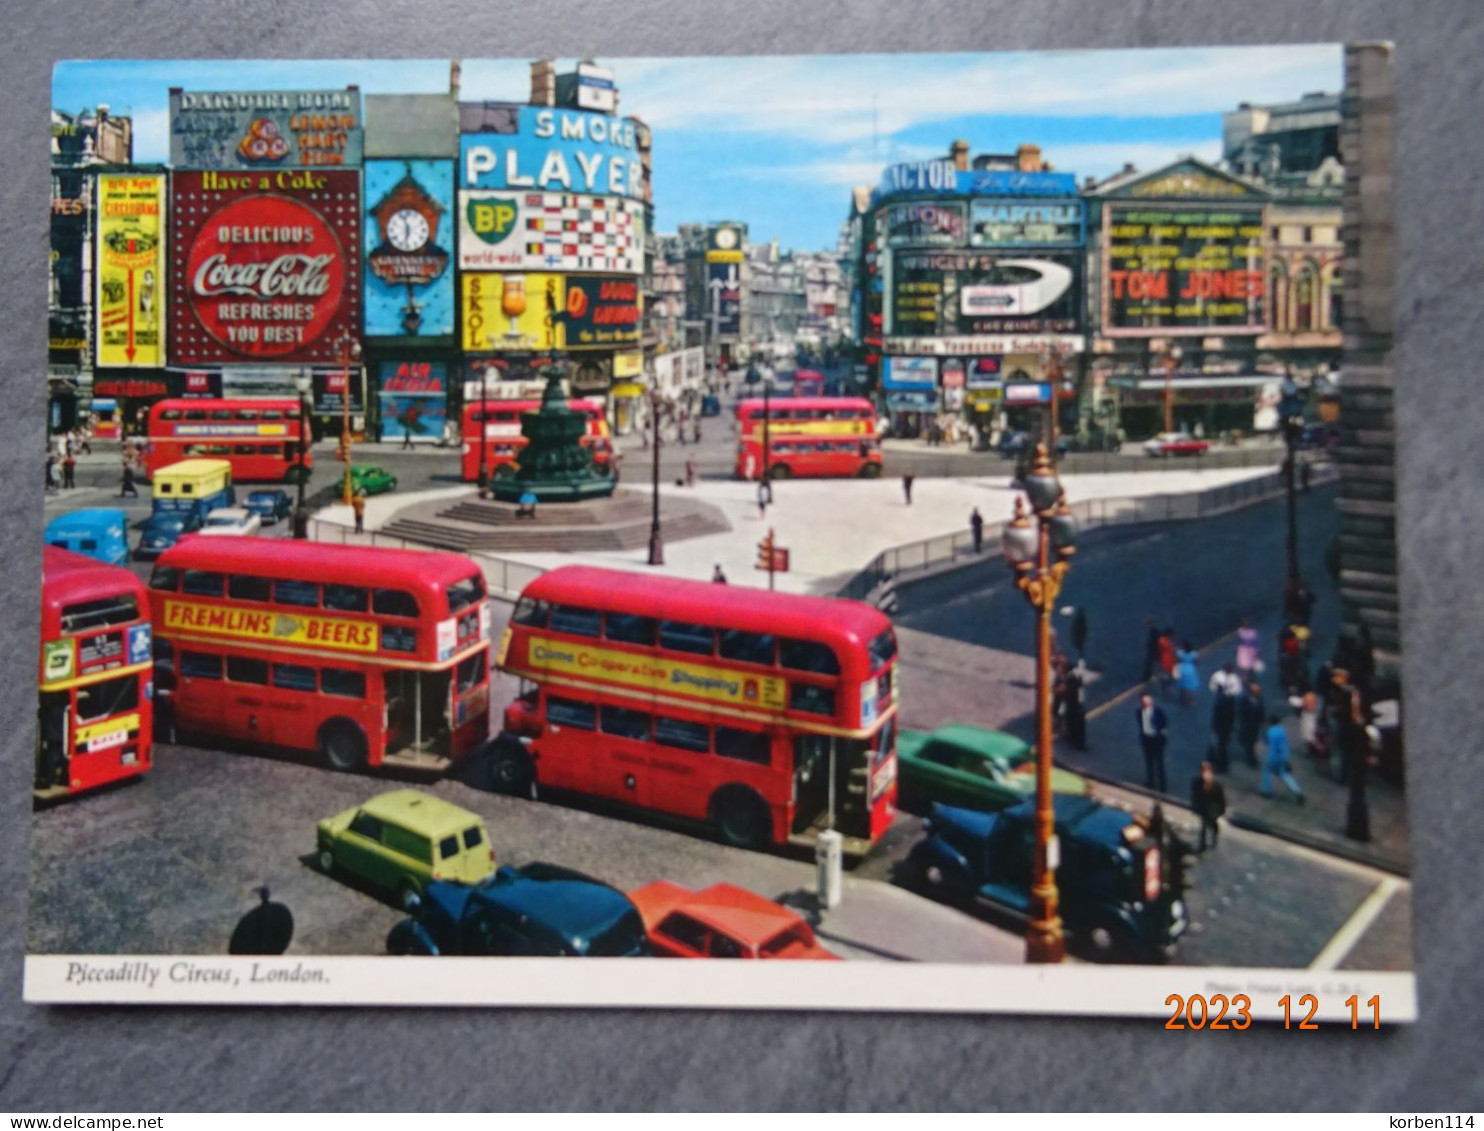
[[1187, 674], [1248, 663], [1166, 661]]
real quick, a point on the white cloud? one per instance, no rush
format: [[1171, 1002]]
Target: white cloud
[[1099, 159]]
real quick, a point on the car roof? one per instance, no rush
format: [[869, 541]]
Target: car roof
[[421, 812], [229, 512], [267, 491], [737, 912], [980, 740], [567, 902], [92, 517]]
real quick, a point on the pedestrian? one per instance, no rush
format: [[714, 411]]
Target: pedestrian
[[615, 465], [1072, 705], [69, 469], [764, 497], [976, 528], [1059, 669], [1151, 649], [358, 504], [1079, 631], [680, 428], [696, 435], [1153, 730], [690, 471], [718, 576], [1208, 799], [1248, 663], [907, 487], [1187, 673], [1312, 730], [1250, 714], [1226, 686], [406, 438], [1277, 762], [127, 486], [51, 473], [1166, 661]]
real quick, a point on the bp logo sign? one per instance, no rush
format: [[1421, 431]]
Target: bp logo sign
[[491, 218]]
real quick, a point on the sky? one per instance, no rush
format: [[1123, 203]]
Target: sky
[[779, 141]]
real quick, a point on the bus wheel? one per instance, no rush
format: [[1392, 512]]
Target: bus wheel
[[871, 471], [780, 471], [343, 747], [512, 770], [740, 817]]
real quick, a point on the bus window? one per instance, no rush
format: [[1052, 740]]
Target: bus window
[[462, 594], [195, 414], [272, 414], [577, 621], [570, 713], [883, 649], [749, 647], [247, 414], [87, 615], [627, 628], [682, 734], [347, 598], [247, 588], [393, 603], [744, 745], [682, 637], [305, 594], [201, 583], [814, 700], [395, 639], [470, 673], [241, 669], [200, 665], [807, 656], [293, 677], [626, 723], [336, 681], [166, 578], [244, 449], [170, 414], [107, 697], [221, 414]]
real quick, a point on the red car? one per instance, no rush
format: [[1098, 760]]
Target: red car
[[722, 921], [1175, 444]]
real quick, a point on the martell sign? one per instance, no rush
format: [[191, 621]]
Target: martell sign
[[263, 270]]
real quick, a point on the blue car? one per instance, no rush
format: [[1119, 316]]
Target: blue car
[[538, 910], [164, 528], [1121, 878], [269, 505], [95, 532]]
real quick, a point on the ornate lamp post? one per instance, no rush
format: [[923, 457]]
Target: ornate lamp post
[[1291, 419], [1038, 552], [301, 516], [349, 350]]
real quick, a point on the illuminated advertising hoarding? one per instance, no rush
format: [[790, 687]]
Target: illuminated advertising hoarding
[[600, 312], [409, 248], [1026, 223], [265, 129], [1183, 270], [555, 150], [909, 374], [263, 265], [550, 231], [130, 277], [414, 400], [512, 313], [962, 292], [926, 224], [723, 311]]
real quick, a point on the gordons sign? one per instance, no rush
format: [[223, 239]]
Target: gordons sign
[[263, 265]]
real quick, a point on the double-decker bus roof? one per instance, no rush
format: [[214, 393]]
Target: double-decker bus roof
[[824, 619], [775, 404], [209, 403], [316, 561], [69, 578]]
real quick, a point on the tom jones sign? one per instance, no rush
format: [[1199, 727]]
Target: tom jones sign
[[263, 265]]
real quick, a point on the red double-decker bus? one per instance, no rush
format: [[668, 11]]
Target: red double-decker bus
[[812, 437], [503, 439], [261, 438], [768, 715], [94, 720], [371, 657]]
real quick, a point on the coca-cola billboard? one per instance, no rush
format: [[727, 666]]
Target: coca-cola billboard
[[264, 265]]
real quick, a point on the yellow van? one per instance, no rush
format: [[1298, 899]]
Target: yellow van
[[199, 485], [402, 839]]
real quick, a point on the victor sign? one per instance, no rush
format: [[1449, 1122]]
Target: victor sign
[[261, 266]]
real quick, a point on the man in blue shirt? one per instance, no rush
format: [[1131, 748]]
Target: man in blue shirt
[[1152, 727], [1277, 762]]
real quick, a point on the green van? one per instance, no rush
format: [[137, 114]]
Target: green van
[[403, 839]]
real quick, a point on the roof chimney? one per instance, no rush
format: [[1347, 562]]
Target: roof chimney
[[455, 78], [543, 83], [1028, 159], [959, 151], [102, 111]]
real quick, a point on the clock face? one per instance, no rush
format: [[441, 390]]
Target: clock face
[[407, 230], [726, 238]]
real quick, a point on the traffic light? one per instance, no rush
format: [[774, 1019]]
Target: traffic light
[[765, 552]]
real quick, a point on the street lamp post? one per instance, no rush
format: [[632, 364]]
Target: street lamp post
[[656, 544], [1291, 414], [1172, 363], [483, 478], [301, 517], [1038, 552], [350, 350]]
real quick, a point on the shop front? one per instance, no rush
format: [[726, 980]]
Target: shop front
[[1204, 406]]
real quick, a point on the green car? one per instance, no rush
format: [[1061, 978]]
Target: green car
[[400, 841], [971, 767], [368, 480]]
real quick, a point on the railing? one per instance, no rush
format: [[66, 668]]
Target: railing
[[503, 577], [927, 463], [916, 557]]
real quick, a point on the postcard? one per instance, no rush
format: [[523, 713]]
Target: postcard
[[921, 527]]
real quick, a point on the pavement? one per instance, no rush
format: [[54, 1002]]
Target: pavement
[[831, 527]]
